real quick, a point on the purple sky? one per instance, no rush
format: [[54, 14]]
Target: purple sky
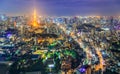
[[60, 7]]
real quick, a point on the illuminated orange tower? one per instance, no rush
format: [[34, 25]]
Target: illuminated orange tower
[[35, 24]]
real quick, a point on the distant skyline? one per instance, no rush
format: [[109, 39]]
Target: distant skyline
[[60, 7]]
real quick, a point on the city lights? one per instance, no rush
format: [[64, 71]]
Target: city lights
[[70, 37]]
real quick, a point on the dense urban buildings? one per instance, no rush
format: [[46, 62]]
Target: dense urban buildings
[[33, 44], [80, 45]]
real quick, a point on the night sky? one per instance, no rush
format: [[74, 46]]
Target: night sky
[[60, 7]]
